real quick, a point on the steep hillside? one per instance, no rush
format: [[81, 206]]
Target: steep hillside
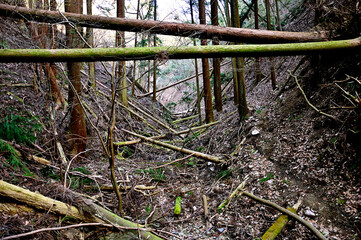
[[285, 148]]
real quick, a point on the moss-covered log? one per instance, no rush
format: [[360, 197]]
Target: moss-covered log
[[89, 209], [117, 54], [160, 27]]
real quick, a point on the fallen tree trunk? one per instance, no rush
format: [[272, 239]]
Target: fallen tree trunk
[[146, 53], [289, 213], [280, 223], [179, 149], [160, 27], [90, 212]]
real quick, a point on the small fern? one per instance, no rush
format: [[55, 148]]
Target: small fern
[[13, 156], [18, 128]]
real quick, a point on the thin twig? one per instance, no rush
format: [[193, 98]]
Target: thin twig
[[57, 229], [226, 202], [150, 215], [308, 102], [177, 160]]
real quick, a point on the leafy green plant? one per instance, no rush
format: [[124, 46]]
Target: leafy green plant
[[156, 174], [191, 162], [18, 128], [77, 182], [13, 156], [340, 201], [148, 208], [83, 170], [270, 176], [4, 44], [225, 173]]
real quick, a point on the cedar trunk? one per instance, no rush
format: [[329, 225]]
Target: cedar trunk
[[77, 126], [205, 66], [216, 61], [241, 85], [341, 47], [120, 42], [165, 28]]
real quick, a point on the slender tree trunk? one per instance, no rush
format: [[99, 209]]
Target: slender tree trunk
[[148, 75], [120, 42], [273, 72], [278, 16], [155, 61], [78, 131], [90, 39], [242, 102], [216, 61], [205, 66], [257, 59], [196, 69], [134, 62], [234, 66]]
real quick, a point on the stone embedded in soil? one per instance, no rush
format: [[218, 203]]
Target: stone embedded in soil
[[309, 213]]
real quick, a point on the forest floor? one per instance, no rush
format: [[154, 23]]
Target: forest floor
[[286, 149]]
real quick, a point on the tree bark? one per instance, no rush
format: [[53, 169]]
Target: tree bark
[[257, 59], [165, 28], [196, 69], [205, 65], [216, 61], [341, 47], [78, 132], [155, 61], [90, 39], [134, 62], [241, 85], [87, 212], [120, 42], [269, 27]]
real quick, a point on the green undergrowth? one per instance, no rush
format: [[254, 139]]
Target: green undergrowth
[[156, 174], [20, 129], [13, 157]]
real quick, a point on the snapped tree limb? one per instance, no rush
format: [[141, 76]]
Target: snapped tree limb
[[179, 149], [160, 27], [189, 52]]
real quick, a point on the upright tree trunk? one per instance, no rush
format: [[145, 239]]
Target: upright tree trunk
[[257, 59], [273, 72], [78, 131], [205, 66], [278, 16], [234, 66], [135, 45], [45, 38], [120, 42], [242, 102], [196, 69], [90, 39], [216, 61], [155, 61], [149, 69]]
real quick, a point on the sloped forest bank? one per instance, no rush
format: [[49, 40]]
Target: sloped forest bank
[[286, 149]]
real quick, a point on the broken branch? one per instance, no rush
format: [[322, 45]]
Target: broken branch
[[179, 149]]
